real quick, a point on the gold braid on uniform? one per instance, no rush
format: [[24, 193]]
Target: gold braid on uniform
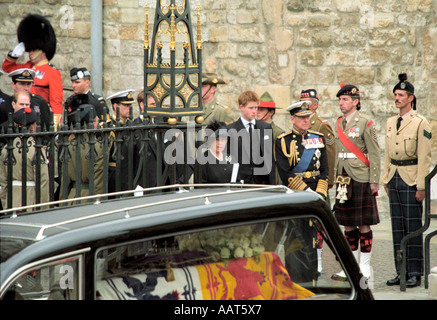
[[322, 187], [296, 183], [292, 156]]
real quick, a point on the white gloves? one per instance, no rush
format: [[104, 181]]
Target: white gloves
[[18, 51]]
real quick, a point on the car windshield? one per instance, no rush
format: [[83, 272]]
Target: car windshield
[[276, 260]]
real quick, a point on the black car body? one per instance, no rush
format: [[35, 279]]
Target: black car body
[[146, 244]]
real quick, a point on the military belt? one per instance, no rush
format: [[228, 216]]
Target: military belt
[[18, 183], [402, 163], [347, 155], [112, 164], [308, 174]]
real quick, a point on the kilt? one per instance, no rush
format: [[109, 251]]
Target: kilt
[[360, 209], [406, 217]]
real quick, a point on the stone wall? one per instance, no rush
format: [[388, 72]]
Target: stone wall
[[280, 46]]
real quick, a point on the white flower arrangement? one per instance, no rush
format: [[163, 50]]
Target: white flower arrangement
[[224, 244]]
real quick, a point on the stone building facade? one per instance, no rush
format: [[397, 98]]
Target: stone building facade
[[280, 46]]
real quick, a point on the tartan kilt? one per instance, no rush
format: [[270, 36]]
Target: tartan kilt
[[360, 208]]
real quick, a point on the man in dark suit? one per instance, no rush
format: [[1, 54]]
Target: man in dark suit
[[251, 143]]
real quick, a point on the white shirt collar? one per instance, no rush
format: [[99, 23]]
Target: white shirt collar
[[246, 123]]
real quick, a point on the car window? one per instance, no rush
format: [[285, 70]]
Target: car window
[[274, 260], [56, 280]]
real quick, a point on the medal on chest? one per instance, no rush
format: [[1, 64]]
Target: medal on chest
[[39, 74], [354, 132], [313, 143]]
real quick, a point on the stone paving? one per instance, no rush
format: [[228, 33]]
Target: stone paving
[[382, 260]]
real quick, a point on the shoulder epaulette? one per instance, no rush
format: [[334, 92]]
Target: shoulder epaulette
[[420, 117], [285, 134], [316, 132]]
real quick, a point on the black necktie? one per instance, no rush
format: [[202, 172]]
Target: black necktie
[[398, 124], [250, 140]]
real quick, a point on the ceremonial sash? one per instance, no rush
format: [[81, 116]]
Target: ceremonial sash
[[350, 145], [307, 155]]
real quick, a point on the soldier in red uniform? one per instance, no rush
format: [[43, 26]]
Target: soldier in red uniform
[[36, 36]]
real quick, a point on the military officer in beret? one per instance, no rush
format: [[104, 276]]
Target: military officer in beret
[[22, 80], [211, 108], [80, 82], [266, 111], [302, 163], [24, 117], [358, 172], [407, 162], [118, 171]]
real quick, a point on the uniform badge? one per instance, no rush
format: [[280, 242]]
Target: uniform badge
[[427, 134], [317, 153], [39, 74]]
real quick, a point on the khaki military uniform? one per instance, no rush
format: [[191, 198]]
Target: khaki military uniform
[[406, 164], [277, 131], [411, 142], [360, 206], [215, 111], [17, 177], [321, 125], [124, 162], [85, 171], [361, 131]]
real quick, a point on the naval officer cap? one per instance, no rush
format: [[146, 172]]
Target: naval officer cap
[[300, 109], [79, 73], [22, 75], [124, 97], [211, 78]]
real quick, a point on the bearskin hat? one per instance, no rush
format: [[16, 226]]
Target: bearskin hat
[[37, 33]]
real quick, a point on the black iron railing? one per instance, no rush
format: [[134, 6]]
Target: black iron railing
[[74, 155]]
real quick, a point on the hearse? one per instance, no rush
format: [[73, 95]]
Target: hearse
[[178, 242]]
